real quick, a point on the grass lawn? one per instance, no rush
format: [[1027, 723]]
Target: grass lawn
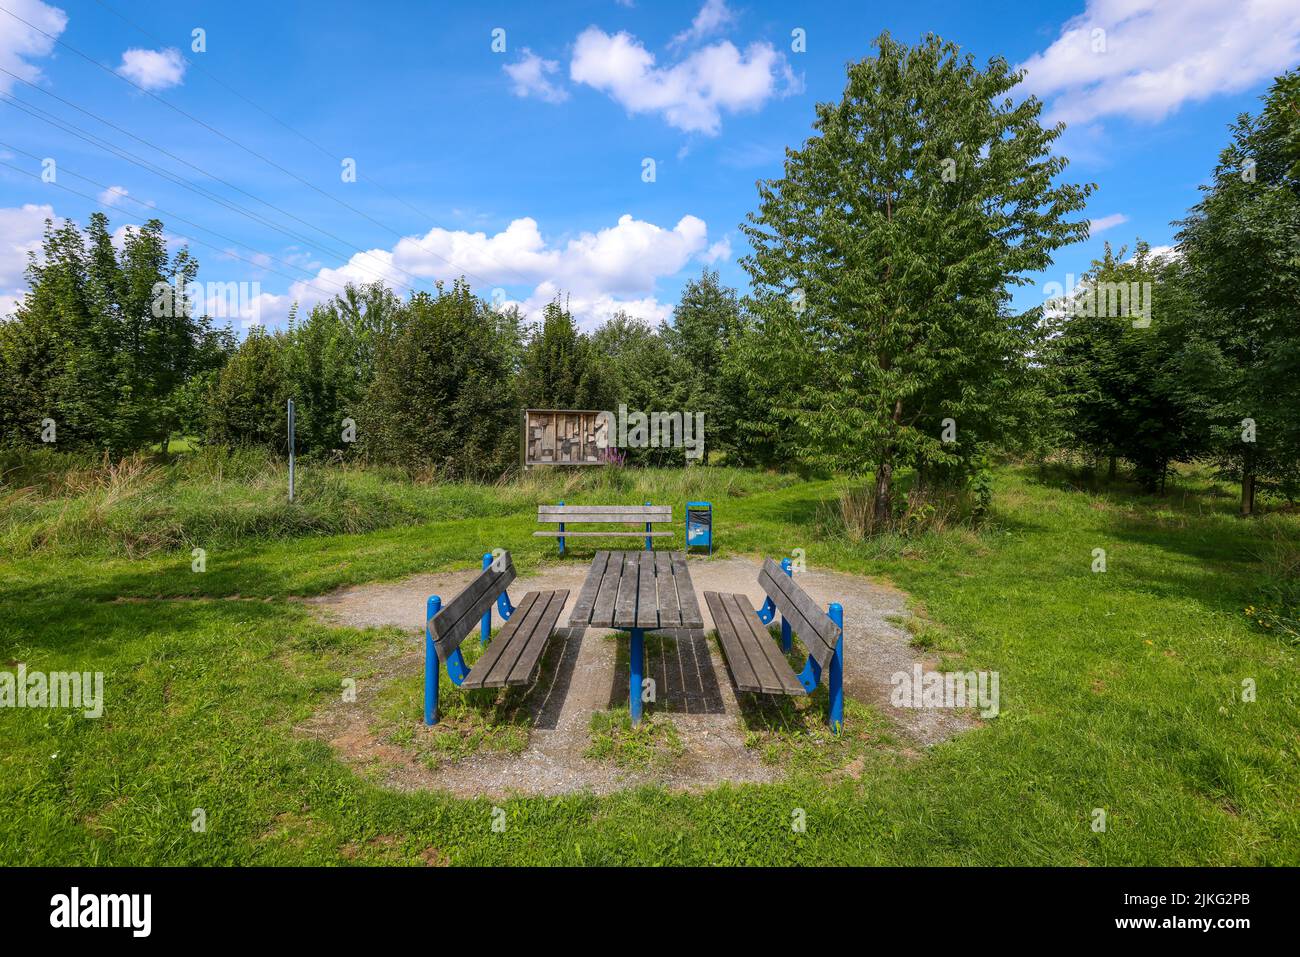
[[1120, 690]]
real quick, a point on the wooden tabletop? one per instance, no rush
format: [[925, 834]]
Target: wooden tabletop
[[646, 590]]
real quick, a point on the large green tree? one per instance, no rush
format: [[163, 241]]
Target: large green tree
[[104, 340], [705, 324], [1242, 248], [329, 361], [885, 252], [647, 373], [1130, 375], [442, 398], [560, 369]]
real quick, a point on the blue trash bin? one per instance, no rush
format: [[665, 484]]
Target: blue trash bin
[[699, 525]]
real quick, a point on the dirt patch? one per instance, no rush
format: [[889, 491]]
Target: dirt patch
[[581, 674]]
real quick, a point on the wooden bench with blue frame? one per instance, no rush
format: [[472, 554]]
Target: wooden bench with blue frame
[[513, 657], [757, 663], [603, 514]]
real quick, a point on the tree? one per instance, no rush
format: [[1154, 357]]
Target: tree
[[705, 322], [441, 398], [330, 361], [559, 369], [1129, 372], [1242, 248], [893, 236], [248, 400], [104, 340], [647, 374]]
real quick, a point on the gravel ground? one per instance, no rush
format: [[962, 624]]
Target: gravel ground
[[693, 685]]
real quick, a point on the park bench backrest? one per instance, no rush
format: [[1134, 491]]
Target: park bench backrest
[[806, 617], [604, 513], [459, 616]]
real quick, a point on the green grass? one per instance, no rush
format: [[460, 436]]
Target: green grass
[[1120, 690], [652, 743]]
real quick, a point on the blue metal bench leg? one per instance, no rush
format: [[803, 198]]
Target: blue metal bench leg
[[485, 626], [431, 663], [649, 542], [561, 538], [636, 668], [837, 672], [786, 636]]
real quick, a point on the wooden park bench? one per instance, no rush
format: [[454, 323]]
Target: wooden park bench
[[757, 663], [562, 514], [510, 659]]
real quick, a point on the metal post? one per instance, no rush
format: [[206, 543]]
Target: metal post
[[636, 667], [561, 535], [837, 671], [485, 626], [649, 542], [430, 663], [787, 637], [291, 425]]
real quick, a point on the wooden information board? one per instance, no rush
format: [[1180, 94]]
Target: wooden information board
[[564, 437]]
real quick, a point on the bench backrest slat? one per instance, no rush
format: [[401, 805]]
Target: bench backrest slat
[[459, 616], [604, 513], [806, 617]]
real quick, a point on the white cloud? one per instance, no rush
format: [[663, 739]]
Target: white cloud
[[719, 250], [530, 78], [599, 272], [1145, 58], [113, 195], [713, 16], [19, 43], [692, 94], [21, 231], [153, 69], [1104, 223]]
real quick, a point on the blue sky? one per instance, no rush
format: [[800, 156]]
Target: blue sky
[[525, 168]]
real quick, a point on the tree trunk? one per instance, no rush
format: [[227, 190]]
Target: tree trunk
[[1247, 493], [882, 506], [1110, 472]]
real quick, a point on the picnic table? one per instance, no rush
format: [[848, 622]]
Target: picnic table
[[637, 592]]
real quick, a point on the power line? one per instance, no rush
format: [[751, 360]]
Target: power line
[[174, 216], [329, 154], [187, 239], [46, 117], [234, 142], [54, 120]]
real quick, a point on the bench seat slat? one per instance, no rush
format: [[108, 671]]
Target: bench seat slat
[[587, 597], [512, 656], [689, 604], [754, 658], [526, 664]]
